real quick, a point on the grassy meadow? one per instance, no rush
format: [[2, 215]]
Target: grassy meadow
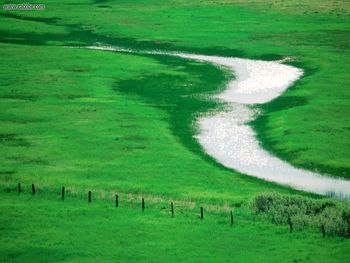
[[117, 122], [74, 231]]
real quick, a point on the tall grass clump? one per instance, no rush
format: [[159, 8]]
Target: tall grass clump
[[331, 216]]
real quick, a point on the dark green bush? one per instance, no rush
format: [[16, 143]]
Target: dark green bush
[[300, 212]]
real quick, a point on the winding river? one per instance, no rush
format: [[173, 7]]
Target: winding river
[[226, 135]]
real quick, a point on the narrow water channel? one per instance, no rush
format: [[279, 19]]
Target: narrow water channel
[[227, 136]]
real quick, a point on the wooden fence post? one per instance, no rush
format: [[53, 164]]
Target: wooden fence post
[[290, 224], [33, 189], [19, 187], [89, 196], [172, 209], [116, 200], [202, 213]]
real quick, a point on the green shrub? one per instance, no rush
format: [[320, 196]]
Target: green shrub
[[300, 212], [331, 219]]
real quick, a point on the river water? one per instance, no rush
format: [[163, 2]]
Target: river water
[[227, 136]]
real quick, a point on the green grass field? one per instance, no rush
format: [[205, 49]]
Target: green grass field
[[75, 231], [112, 122]]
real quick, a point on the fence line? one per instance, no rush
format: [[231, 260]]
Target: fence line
[[143, 206], [117, 201]]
